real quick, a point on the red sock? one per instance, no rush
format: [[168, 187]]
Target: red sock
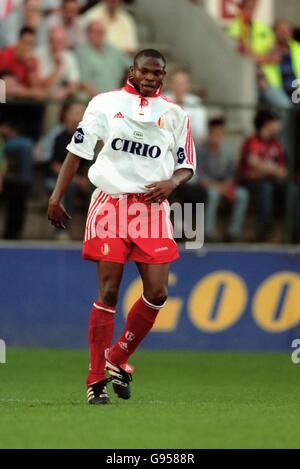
[[101, 329], [140, 320]]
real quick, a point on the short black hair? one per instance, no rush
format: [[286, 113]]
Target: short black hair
[[263, 117], [216, 122], [151, 53], [27, 30]]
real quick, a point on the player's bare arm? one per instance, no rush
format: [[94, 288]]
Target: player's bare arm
[[56, 211]]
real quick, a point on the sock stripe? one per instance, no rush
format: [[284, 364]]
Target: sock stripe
[[151, 305], [104, 308]]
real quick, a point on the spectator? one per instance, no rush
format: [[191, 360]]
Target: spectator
[[252, 36], [19, 61], [72, 115], [216, 175], [70, 21], [27, 14], [180, 87], [121, 29], [59, 66], [33, 18], [20, 71], [103, 67], [281, 67], [17, 110], [17, 178], [43, 150], [262, 168]]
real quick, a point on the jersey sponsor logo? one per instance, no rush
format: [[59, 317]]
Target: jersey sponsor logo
[[119, 115], [181, 155], [138, 135], [79, 136], [136, 148]]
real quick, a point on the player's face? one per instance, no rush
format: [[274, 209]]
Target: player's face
[[148, 75]]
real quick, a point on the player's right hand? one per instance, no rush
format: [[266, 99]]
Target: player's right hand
[[57, 213]]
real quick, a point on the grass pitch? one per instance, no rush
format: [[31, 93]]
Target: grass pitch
[[180, 400]]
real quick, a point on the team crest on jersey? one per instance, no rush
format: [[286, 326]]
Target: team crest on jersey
[[105, 249], [180, 155], [161, 122], [79, 136]]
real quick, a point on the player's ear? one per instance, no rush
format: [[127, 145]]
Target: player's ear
[[130, 72]]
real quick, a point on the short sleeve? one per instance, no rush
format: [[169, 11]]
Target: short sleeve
[[184, 153], [89, 131]]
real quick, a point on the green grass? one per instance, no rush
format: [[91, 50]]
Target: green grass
[[180, 400]]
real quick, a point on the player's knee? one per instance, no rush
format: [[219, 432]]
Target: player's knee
[[156, 295], [109, 295]]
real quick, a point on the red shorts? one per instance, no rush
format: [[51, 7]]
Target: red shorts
[[126, 228]]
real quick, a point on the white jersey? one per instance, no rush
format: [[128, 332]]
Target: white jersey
[[145, 140]]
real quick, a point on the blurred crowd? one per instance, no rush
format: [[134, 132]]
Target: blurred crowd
[[275, 52], [55, 55]]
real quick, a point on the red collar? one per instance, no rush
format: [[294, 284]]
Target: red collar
[[130, 88]]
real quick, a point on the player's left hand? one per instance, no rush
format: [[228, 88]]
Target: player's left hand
[[57, 213], [160, 191]]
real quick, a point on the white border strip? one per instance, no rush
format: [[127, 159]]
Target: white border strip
[[151, 305], [112, 311]]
